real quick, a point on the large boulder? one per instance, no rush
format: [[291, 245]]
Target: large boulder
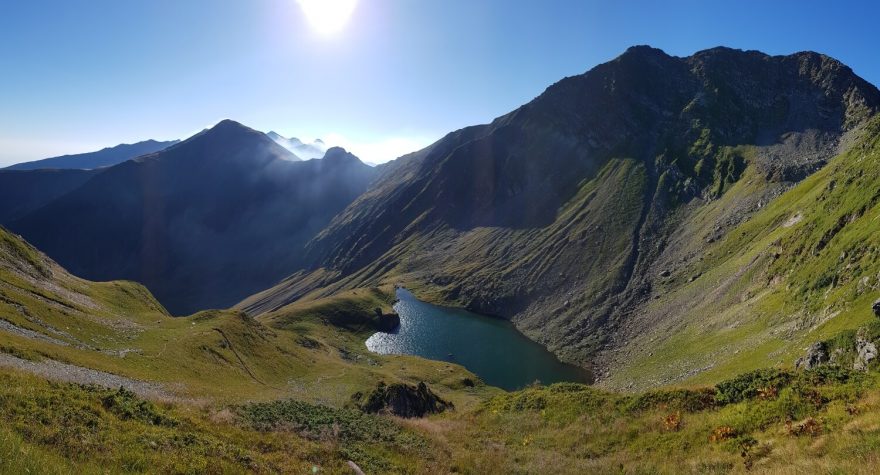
[[876, 308], [817, 354], [402, 400], [867, 352]]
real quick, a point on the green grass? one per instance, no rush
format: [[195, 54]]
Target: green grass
[[61, 428], [802, 269], [770, 421], [569, 428], [376, 444]]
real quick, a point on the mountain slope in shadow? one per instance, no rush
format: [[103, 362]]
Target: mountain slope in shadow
[[203, 223]]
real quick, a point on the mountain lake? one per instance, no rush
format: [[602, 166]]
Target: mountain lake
[[491, 348]]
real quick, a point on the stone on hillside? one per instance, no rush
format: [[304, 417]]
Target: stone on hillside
[[867, 352], [816, 355], [876, 307], [404, 400]]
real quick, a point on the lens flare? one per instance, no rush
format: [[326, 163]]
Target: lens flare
[[328, 16]]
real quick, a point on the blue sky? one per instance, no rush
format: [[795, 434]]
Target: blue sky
[[80, 75]]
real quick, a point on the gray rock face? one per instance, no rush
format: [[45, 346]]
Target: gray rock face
[[816, 355], [867, 351], [876, 308]]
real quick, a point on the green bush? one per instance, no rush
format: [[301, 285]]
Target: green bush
[[689, 400], [750, 385], [127, 405]]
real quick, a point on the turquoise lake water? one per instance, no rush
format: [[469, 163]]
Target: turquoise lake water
[[491, 348]]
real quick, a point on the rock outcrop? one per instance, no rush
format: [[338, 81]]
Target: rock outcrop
[[816, 355], [866, 352], [402, 400]]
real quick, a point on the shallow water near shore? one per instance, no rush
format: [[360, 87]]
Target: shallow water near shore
[[491, 348]]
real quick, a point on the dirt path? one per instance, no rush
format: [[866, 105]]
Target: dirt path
[[58, 371]]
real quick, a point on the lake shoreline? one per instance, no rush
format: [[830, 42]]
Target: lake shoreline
[[489, 346]]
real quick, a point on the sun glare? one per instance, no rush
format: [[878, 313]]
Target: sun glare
[[328, 16]]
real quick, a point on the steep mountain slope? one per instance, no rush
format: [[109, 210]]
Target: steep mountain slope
[[23, 191], [40, 302], [103, 158], [566, 214], [304, 151], [801, 270], [203, 223]]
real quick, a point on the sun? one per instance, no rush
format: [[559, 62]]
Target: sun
[[328, 16]]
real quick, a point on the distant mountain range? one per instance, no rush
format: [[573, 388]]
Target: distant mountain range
[[102, 158], [202, 224], [303, 151]]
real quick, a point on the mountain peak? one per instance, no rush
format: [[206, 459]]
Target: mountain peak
[[231, 141], [229, 129], [339, 155], [643, 49], [295, 146], [641, 53], [229, 124], [335, 151]]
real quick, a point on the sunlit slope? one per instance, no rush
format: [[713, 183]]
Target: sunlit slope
[[802, 269]]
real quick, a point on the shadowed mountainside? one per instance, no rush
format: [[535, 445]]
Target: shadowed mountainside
[[203, 223], [23, 191]]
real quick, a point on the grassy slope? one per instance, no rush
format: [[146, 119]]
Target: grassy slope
[[768, 422], [800, 270], [208, 363], [313, 351], [299, 351], [52, 428]]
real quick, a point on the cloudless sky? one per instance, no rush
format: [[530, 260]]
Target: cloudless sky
[[77, 76]]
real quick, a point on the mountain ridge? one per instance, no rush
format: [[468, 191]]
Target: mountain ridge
[[304, 151], [102, 158], [563, 208], [226, 202]]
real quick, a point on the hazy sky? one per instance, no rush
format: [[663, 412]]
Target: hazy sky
[[80, 75]]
